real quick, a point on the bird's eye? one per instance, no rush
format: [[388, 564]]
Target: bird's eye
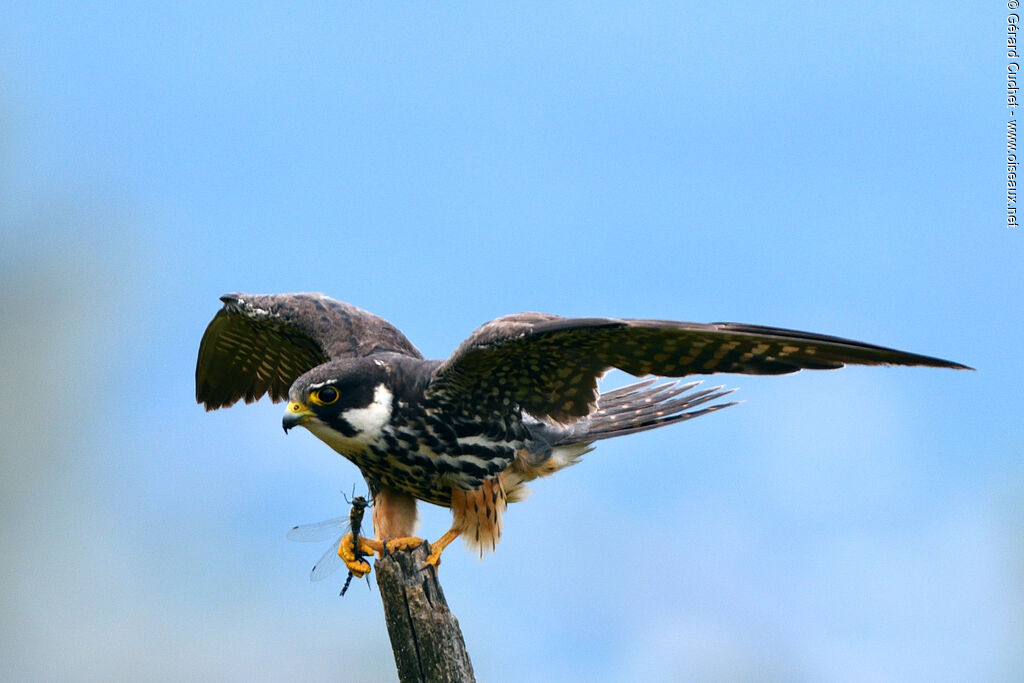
[[325, 396]]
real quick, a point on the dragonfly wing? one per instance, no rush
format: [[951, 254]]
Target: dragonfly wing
[[328, 563], [320, 531]]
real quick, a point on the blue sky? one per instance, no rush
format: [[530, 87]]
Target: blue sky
[[836, 169]]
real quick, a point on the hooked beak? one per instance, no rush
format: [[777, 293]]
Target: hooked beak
[[295, 415]]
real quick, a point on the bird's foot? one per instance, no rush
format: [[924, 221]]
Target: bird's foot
[[352, 554], [403, 543], [438, 546], [413, 542]]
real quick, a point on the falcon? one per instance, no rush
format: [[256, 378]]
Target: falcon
[[517, 400]]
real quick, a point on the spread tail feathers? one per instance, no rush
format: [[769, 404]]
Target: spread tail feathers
[[641, 406], [633, 408]]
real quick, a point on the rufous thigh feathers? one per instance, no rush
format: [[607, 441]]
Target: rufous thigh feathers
[[477, 515]]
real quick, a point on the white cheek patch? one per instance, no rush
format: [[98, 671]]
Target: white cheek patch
[[334, 439], [370, 421]]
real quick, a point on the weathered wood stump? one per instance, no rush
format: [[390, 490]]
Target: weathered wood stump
[[425, 635]]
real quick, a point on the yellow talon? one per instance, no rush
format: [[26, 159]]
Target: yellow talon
[[358, 566], [404, 543], [434, 558], [412, 542], [438, 546], [368, 546]]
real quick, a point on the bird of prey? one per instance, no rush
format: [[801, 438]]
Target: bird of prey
[[517, 400]]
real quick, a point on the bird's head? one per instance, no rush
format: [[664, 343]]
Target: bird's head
[[344, 402]]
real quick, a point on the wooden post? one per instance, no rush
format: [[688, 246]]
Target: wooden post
[[425, 635]]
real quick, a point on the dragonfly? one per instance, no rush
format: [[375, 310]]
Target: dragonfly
[[337, 527]]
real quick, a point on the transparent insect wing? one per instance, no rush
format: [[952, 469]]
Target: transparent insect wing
[[335, 528], [321, 531], [328, 562]]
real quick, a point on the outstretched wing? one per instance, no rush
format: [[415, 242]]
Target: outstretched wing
[[259, 344], [549, 366]]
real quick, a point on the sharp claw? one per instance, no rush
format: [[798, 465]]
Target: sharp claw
[[369, 546], [438, 546], [433, 560]]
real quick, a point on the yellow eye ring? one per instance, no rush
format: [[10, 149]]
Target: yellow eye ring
[[324, 396]]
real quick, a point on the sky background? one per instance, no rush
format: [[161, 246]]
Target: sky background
[[835, 168]]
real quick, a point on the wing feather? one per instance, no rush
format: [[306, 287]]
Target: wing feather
[[260, 344], [550, 365]]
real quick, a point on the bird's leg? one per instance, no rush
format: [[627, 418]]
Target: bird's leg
[[352, 554], [438, 546], [394, 520]]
